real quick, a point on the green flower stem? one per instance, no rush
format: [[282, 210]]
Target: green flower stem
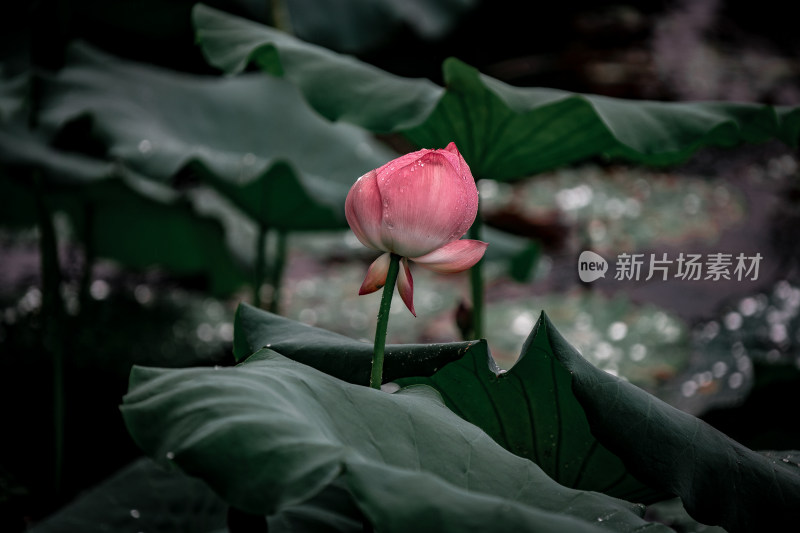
[[53, 316], [476, 279], [376, 378], [276, 272], [261, 251]]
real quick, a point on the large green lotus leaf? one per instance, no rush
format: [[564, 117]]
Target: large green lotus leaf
[[159, 32], [357, 25], [332, 510], [336, 355], [504, 132], [720, 481], [23, 150], [253, 137], [337, 86], [144, 224], [427, 503], [137, 222], [272, 432], [531, 411], [143, 496], [280, 200]]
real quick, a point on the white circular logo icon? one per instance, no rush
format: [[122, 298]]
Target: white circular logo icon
[[591, 266]]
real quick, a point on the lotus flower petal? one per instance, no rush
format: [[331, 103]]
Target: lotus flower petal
[[364, 211], [414, 204], [427, 203], [376, 275], [454, 256], [417, 206], [405, 285]]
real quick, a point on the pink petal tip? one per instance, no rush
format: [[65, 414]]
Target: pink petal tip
[[455, 256], [376, 275], [405, 285]]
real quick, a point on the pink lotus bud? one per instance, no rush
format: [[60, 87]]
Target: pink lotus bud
[[417, 206]]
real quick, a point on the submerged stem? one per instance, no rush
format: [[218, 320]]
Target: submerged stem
[[276, 272], [261, 251], [376, 377], [53, 314]]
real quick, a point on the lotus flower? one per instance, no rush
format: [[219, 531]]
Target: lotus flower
[[416, 206]]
